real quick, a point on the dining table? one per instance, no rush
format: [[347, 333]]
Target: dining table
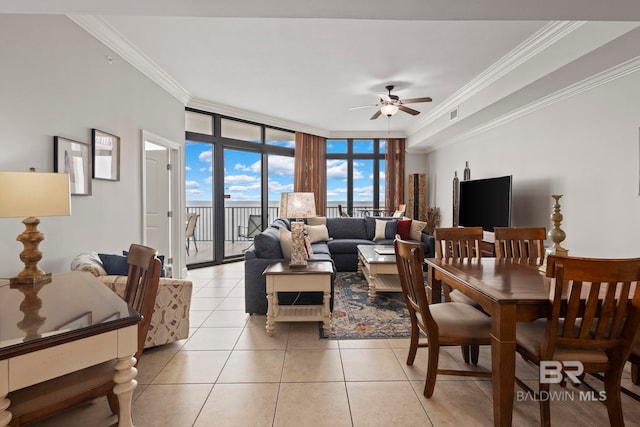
[[510, 293]]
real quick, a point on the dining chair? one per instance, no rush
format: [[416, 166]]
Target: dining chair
[[443, 324], [459, 243], [192, 220], [400, 211], [594, 317], [523, 245], [59, 394]]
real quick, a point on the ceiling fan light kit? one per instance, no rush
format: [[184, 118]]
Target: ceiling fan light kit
[[389, 104]]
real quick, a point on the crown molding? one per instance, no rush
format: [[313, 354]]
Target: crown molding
[[114, 40], [542, 39], [621, 70]]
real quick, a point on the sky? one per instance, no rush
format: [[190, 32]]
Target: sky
[[242, 174]]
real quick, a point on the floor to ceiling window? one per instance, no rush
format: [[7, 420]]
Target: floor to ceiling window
[[235, 171], [356, 176]]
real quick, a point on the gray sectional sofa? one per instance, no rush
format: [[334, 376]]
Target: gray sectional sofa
[[345, 234]]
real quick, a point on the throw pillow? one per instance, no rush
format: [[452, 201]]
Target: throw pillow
[[285, 242], [317, 220], [391, 229], [416, 230], [115, 265], [404, 229], [163, 271], [317, 233], [307, 246], [381, 228]]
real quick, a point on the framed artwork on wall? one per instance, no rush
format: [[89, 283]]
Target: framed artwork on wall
[[74, 158], [106, 155]]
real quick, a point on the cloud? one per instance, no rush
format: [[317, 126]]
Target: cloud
[[255, 167], [281, 166], [194, 192], [276, 186], [239, 179], [187, 168], [337, 169], [192, 184], [243, 188], [206, 156]]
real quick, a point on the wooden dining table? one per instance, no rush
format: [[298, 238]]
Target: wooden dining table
[[510, 293]]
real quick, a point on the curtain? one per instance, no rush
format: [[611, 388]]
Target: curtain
[[310, 168], [394, 174]]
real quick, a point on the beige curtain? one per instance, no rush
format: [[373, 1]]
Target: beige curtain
[[394, 174], [310, 168]]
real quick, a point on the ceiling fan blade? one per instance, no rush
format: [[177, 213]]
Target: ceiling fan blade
[[375, 115], [363, 106], [414, 100], [408, 110]]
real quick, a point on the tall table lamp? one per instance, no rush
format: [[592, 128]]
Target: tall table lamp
[[297, 205], [29, 195]]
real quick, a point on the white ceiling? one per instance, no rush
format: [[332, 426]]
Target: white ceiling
[[303, 64]]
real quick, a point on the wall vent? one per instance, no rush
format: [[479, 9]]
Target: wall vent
[[453, 114]]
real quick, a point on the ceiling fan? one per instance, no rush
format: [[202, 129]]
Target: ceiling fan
[[390, 104]]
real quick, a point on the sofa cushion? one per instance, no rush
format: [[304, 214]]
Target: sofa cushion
[[285, 242], [317, 233], [115, 265], [347, 228], [404, 229], [320, 248], [317, 220], [267, 244], [346, 246], [416, 230]]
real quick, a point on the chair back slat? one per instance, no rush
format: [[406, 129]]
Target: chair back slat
[[524, 245], [597, 302], [453, 243], [409, 260], [142, 286]]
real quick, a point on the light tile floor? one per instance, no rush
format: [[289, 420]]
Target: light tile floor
[[230, 373]]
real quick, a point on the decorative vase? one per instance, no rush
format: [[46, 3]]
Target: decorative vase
[[456, 189], [467, 172]]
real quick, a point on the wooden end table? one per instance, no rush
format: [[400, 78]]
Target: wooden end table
[[316, 277]]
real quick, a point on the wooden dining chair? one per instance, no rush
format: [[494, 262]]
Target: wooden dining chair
[[594, 318], [444, 324], [62, 393], [459, 243], [523, 245]]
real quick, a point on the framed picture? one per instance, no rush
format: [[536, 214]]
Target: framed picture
[[106, 155], [74, 158], [82, 321]]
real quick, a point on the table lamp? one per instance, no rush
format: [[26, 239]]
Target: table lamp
[[31, 194], [297, 205]]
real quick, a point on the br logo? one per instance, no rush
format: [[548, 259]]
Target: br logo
[[551, 371]]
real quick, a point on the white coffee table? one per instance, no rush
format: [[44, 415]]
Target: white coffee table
[[380, 270], [316, 277]]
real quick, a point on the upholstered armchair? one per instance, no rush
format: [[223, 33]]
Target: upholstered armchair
[[170, 320]]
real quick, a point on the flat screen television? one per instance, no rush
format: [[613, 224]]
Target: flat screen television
[[485, 203]]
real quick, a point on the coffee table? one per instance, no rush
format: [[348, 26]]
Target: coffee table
[[380, 270]]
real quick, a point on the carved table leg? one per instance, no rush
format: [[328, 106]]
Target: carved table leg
[[5, 415], [326, 321], [125, 384], [270, 312]]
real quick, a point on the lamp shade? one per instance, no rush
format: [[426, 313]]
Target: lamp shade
[[389, 109], [34, 194], [297, 205]]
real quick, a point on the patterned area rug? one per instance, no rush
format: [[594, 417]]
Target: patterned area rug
[[354, 317]]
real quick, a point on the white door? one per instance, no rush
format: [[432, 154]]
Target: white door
[[158, 198]]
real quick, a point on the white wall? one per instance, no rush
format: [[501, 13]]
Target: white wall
[[55, 80], [585, 147]]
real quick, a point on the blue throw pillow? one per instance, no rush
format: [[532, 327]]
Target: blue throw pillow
[[160, 257], [391, 229], [115, 265]]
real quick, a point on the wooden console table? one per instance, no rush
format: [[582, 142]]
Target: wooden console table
[[69, 324], [315, 277]]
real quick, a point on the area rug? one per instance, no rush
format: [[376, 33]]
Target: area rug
[[354, 317]]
